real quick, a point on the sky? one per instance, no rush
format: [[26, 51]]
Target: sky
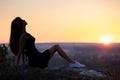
[[63, 20]]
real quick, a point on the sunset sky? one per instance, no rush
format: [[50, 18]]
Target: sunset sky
[[63, 20]]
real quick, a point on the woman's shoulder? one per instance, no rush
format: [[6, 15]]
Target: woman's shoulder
[[25, 34]]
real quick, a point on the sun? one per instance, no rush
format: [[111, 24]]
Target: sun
[[106, 39]]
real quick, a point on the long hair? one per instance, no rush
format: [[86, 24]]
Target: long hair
[[16, 31]]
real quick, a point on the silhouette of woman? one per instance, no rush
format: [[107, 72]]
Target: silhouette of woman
[[23, 44]]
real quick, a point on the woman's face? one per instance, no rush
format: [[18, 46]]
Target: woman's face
[[24, 23]]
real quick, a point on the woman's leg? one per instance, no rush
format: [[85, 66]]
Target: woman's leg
[[60, 52]]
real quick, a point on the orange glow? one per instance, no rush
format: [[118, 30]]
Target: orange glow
[[106, 40], [63, 20]]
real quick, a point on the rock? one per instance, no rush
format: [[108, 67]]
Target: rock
[[83, 71], [92, 73]]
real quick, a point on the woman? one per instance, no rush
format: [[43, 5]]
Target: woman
[[23, 44]]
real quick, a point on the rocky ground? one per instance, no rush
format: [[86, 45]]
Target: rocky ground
[[61, 73]]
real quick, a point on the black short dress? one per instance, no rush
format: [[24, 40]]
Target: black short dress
[[35, 58]]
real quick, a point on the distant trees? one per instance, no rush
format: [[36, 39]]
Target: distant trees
[[4, 61]]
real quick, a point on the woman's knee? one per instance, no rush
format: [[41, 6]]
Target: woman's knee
[[56, 46]]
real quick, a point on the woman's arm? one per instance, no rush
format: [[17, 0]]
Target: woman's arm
[[21, 46], [23, 58]]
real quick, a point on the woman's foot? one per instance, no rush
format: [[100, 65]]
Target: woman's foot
[[76, 65]]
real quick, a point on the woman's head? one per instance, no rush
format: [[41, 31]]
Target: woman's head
[[17, 28], [18, 25]]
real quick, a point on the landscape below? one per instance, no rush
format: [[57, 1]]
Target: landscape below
[[102, 63]]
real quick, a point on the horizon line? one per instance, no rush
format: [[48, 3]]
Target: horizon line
[[68, 42]]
